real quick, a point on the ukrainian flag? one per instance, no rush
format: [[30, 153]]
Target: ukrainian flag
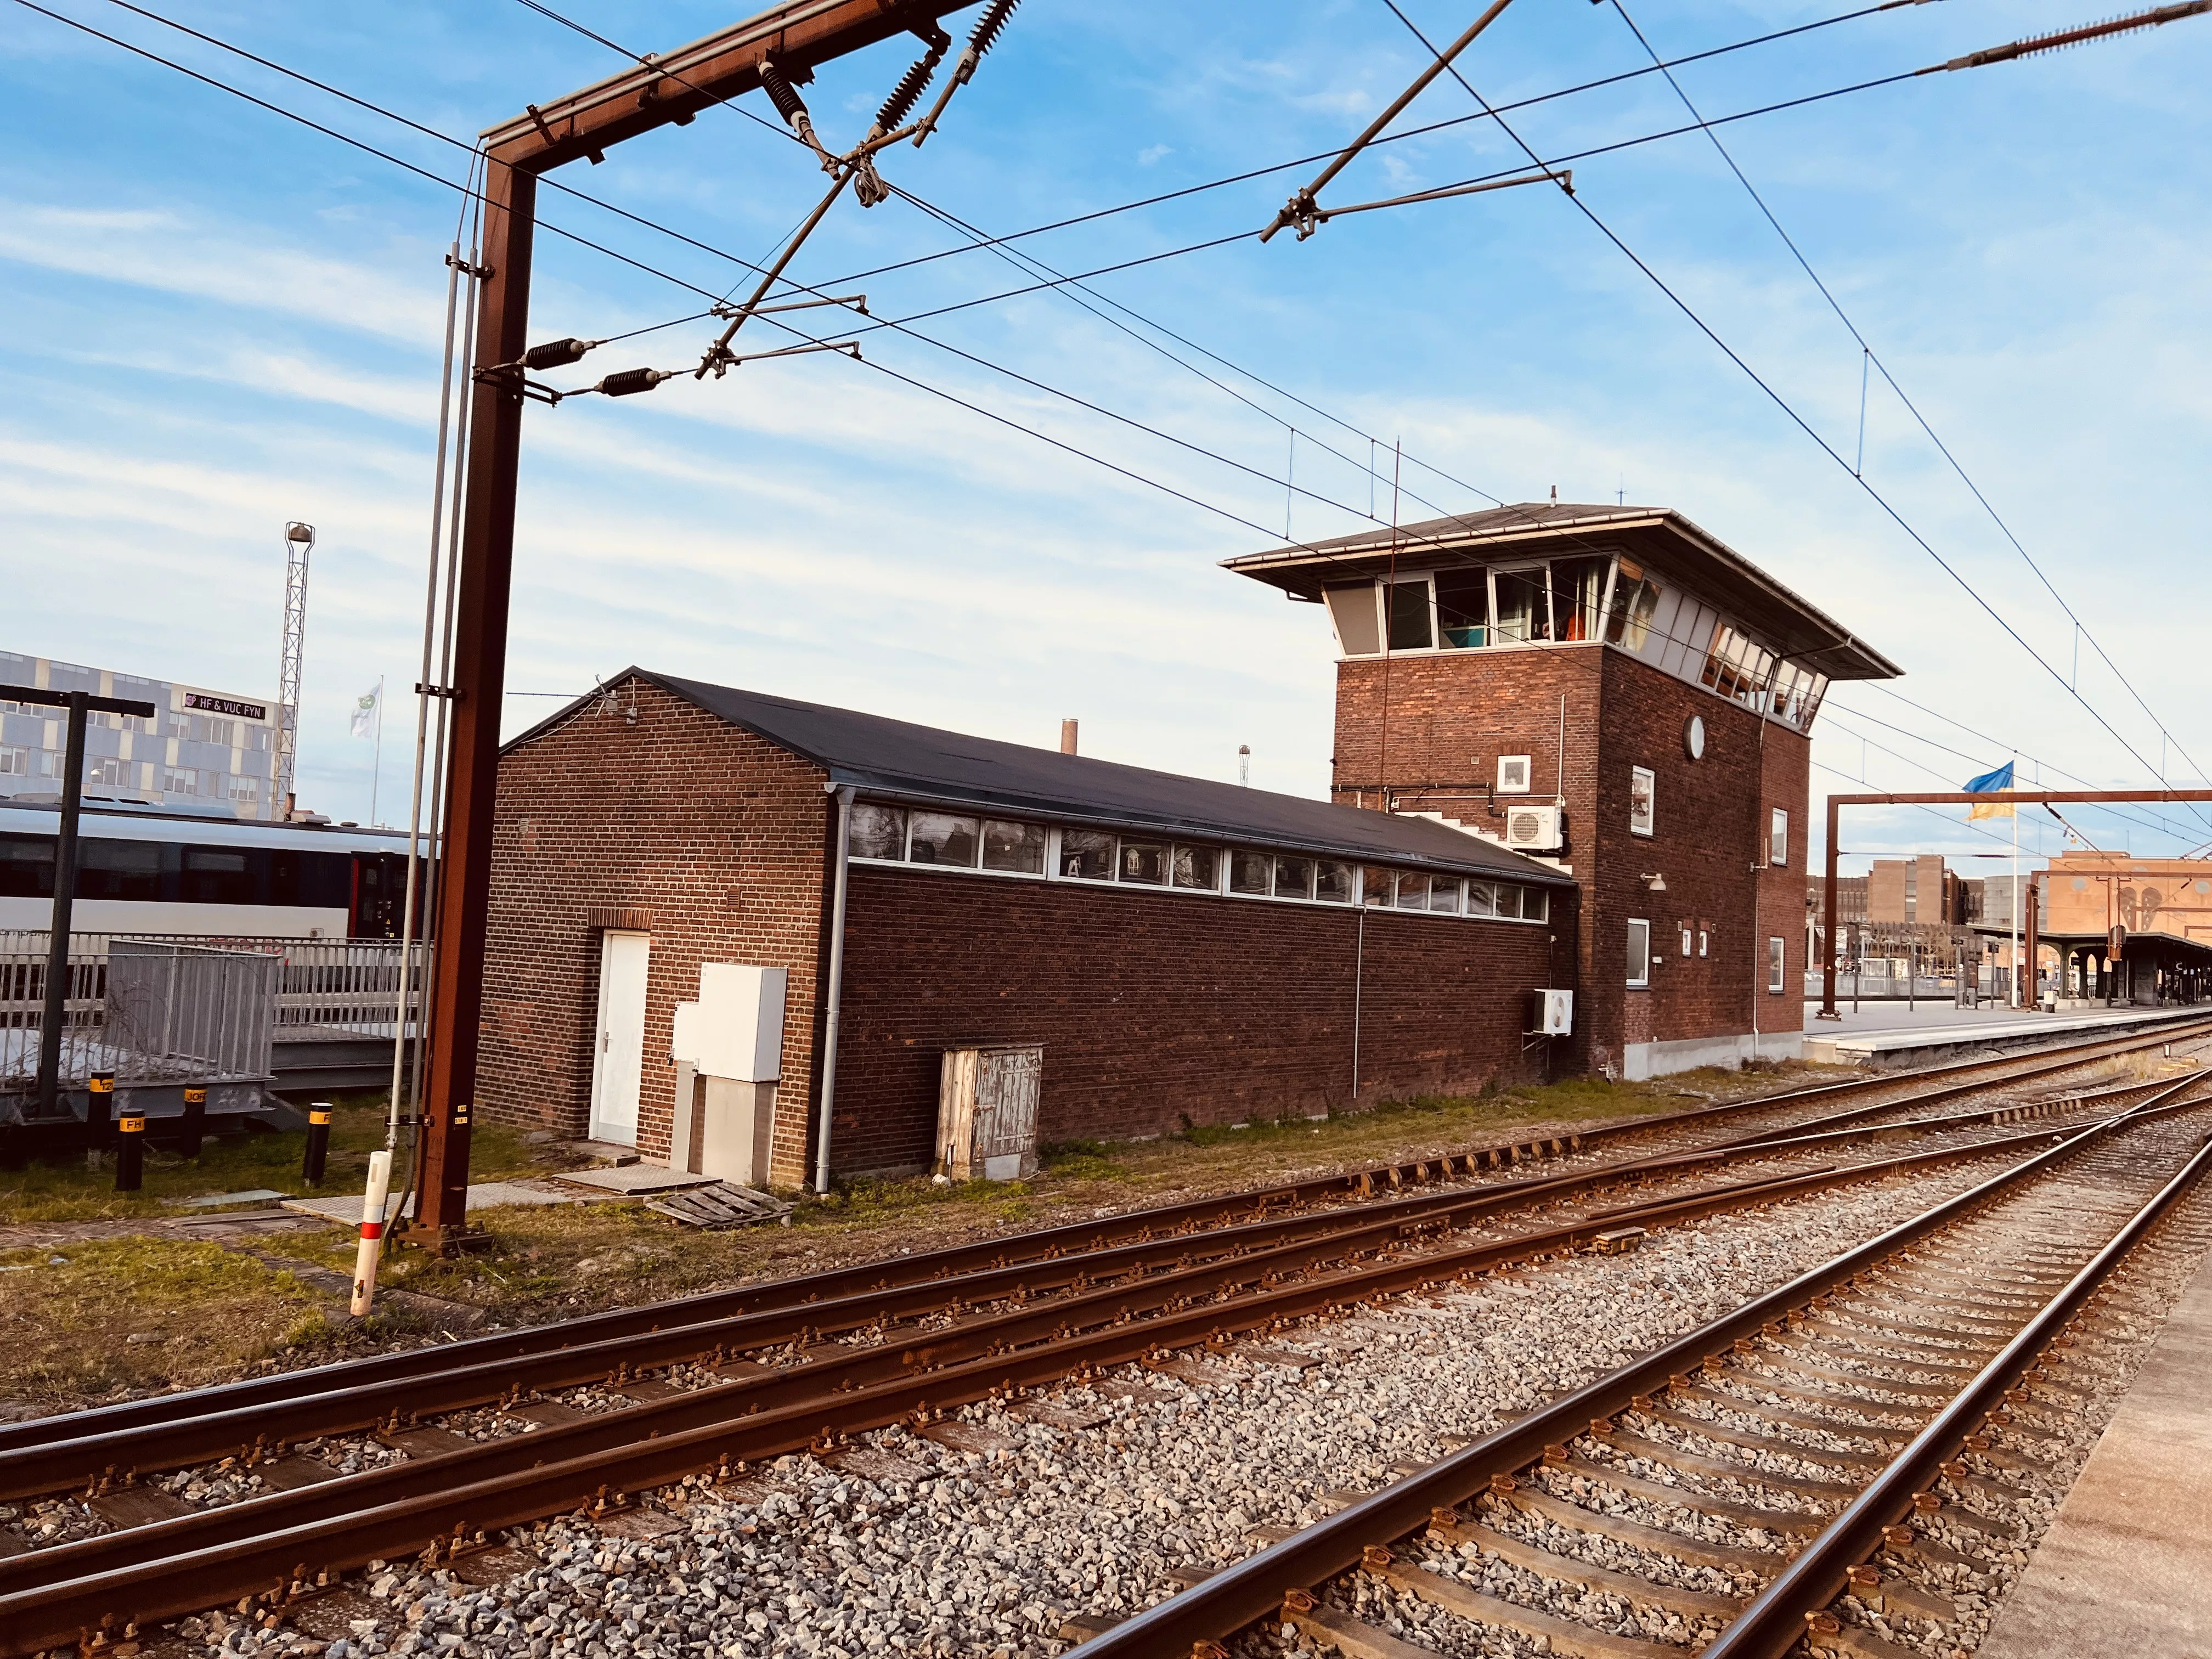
[[1994, 783]]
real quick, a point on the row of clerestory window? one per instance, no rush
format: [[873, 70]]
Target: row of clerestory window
[[894, 835]]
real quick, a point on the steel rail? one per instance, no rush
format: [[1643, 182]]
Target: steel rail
[[1776, 1618], [1255, 1587], [411, 1368], [251, 1431], [284, 1543]]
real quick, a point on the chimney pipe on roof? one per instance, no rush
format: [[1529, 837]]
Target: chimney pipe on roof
[[1067, 737], [1244, 764]]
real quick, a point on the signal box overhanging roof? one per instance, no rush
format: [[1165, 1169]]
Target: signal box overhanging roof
[[1671, 544], [922, 764]]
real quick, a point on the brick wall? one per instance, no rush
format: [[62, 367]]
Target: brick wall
[[1157, 1009], [722, 837], [1431, 726]]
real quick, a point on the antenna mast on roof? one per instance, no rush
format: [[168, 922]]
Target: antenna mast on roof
[[299, 542]]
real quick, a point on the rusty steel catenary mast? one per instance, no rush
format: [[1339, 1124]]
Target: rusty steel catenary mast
[[788, 41]]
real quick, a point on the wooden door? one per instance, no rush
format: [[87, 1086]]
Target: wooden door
[[1008, 1082]]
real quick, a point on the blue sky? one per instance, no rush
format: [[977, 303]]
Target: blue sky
[[219, 321]]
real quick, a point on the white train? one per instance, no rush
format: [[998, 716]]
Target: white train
[[141, 870]]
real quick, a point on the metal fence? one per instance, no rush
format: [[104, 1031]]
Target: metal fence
[[346, 985], [149, 1011]]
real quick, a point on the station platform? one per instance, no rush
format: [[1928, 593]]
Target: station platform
[[1887, 1036], [2123, 1571]]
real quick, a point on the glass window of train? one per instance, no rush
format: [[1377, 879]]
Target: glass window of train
[[1522, 609], [1578, 591], [1359, 625], [26, 866], [219, 875], [1409, 615], [118, 869], [1462, 609]]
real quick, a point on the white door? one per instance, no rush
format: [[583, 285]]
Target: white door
[[618, 1053]]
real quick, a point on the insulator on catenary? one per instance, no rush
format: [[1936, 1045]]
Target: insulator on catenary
[[901, 103], [782, 93], [632, 380], [987, 26], [557, 354]]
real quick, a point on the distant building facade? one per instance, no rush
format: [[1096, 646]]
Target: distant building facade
[[1918, 891], [2086, 891], [202, 751]]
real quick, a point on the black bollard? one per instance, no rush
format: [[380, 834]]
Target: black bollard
[[99, 1115], [319, 1143], [188, 1141], [129, 1152]]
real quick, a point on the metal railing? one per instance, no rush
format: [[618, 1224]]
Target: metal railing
[[347, 985], [148, 1011]]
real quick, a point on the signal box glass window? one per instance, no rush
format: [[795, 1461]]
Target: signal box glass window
[[1639, 951], [1578, 592], [1332, 881], [1409, 615], [1198, 869], [877, 832], [1462, 609], [1376, 887], [1018, 847], [943, 838], [1778, 849], [1294, 879], [1481, 898], [1642, 801], [1521, 904], [1351, 608], [1635, 597], [1523, 606], [1087, 854], [1251, 873], [1777, 964], [1145, 862], [1536, 903], [1444, 894], [1513, 774]]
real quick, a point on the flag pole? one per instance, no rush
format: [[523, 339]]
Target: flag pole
[[377, 775]]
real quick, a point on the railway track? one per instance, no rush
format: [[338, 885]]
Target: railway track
[[1575, 1152], [747, 1382], [1809, 1468]]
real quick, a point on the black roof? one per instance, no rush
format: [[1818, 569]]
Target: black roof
[[1787, 621], [920, 763]]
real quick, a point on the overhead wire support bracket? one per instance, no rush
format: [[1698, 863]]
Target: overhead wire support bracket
[[1301, 210], [1563, 177], [979, 40]]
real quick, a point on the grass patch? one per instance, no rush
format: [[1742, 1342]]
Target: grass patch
[[63, 1188], [111, 1316]]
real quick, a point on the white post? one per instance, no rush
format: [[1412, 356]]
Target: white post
[[372, 1230]]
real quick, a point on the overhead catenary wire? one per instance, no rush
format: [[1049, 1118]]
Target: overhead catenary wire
[[1783, 404], [1868, 355]]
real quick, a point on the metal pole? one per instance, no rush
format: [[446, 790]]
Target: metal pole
[[2014, 964], [487, 555], [1828, 913], [58, 936], [835, 992]]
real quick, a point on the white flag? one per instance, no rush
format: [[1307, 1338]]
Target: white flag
[[364, 712]]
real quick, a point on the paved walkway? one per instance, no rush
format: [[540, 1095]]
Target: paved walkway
[[2125, 1571]]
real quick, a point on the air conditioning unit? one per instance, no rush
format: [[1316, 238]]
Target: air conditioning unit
[[1536, 829], [1551, 1013]]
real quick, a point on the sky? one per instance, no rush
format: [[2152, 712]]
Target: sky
[[219, 320]]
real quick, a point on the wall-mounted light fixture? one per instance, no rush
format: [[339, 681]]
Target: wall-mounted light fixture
[[1656, 883]]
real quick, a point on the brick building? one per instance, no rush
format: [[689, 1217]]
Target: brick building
[[1920, 891], [1182, 952], [1616, 692]]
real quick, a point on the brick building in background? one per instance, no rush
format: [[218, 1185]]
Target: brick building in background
[[1615, 691], [1182, 952]]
